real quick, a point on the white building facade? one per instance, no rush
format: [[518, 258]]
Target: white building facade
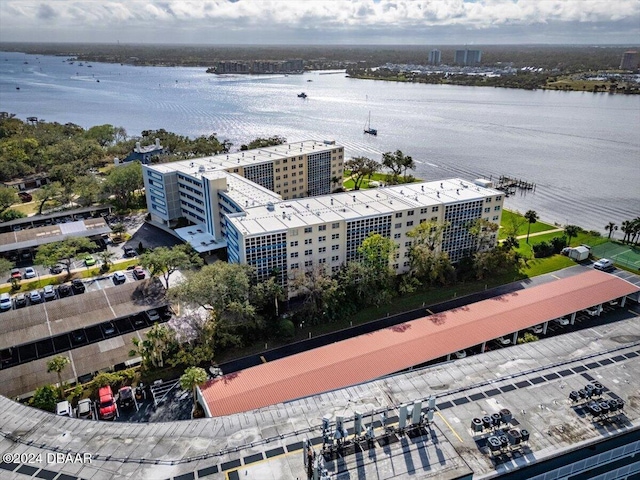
[[280, 238]]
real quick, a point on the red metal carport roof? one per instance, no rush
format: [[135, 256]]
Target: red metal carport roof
[[390, 350]]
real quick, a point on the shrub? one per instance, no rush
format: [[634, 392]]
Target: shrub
[[286, 328], [542, 249], [45, 398], [528, 337], [558, 243]]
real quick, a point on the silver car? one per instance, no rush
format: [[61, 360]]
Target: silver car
[[35, 297]]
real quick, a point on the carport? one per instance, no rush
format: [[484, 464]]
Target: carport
[[404, 346]]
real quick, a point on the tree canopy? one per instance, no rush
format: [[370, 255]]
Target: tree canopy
[[361, 168], [164, 261], [123, 182], [63, 251]]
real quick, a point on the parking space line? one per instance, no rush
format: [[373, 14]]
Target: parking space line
[[109, 303], [429, 312], [264, 360], [449, 425], [555, 276], [635, 313]]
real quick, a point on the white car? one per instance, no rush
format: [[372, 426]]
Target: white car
[[592, 312], [604, 264], [460, 354], [5, 301], [29, 272], [562, 321], [536, 329], [504, 340], [119, 277]]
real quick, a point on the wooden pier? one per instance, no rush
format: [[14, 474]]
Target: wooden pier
[[509, 185]]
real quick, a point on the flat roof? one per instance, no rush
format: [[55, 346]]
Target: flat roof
[[533, 380], [400, 347], [245, 158], [48, 319], [356, 205], [246, 193], [59, 214], [34, 237]]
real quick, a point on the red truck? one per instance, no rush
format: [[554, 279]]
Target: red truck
[[107, 405]]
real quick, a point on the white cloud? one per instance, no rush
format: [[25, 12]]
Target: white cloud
[[361, 20]]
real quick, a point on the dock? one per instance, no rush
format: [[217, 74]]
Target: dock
[[510, 185]]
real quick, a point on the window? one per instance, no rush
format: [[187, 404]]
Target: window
[[295, 265], [301, 165], [322, 228], [397, 225], [397, 235], [410, 224], [277, 170], [423, 210], [487, 210], [308, 263], [294, 232], [307, 229], [278, 178], [308, 252], [335, 258], [407, 244], [335, 225], [322, 260], [396, 266], [308, 241], [335, 236], [406, 254], [323, 238], [410, 212], [406, 264], [399, 215], [495, 219], [322, 249], [335, 247], [498, 198], [294, 254], [434, 209], [294, 244], [488, 200], [496, 208]]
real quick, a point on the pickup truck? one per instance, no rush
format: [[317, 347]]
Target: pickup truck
[[106, 404]]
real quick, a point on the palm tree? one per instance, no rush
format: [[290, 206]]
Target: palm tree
[[106, 257], [119, 229], [58, 364], [610, 227], [571, 231], [532, 217], [626, 228], [193, 377]]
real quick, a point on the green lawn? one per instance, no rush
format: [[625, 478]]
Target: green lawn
[[377, 177], [509, 217], [26, 208]]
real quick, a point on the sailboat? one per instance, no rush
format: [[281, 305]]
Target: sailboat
[[368, 129]]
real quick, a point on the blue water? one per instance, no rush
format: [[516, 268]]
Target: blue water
[[581, 149]]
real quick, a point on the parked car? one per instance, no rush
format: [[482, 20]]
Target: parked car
[[537, 329], [130, 252], [152, 315], [78, 336], [604, 264], [64, 290], [48, 293], [64, 409], [138, 273], [504, 340], [77, 286], [35, 297], [89, 261], [5, 301], [460, 354], [108, 328], [20, 300], [592, 311], [16, 273], [85, 409], [29, 272], [25, 196], [107, 407], [125, 398], [56, 269], [562, 321], [119, 277]]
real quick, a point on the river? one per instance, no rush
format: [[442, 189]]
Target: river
[[582, 150]]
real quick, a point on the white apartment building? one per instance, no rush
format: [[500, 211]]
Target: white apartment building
[[203, 190], [327, 230]]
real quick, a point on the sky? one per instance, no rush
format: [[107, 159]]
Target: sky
[[317, 22]]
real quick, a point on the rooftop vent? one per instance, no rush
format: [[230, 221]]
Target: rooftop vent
[[201, 169], [332, 201], [354, 198], [458, 191], [441, 186], [423, 188], [270, 206], [438, 194]]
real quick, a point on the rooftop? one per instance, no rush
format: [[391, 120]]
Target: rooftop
[[202, 166], [356, 205], [35, 237], [63, 315], [246, 193], [400, 347], [532, 380]]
